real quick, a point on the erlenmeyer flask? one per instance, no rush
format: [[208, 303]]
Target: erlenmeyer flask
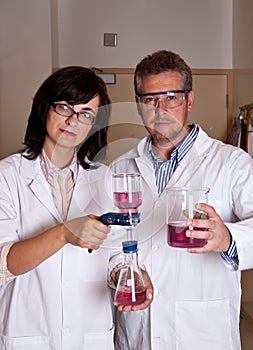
[[130, 288]]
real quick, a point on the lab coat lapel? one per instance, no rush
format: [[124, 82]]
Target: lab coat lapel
[[87, 192], [187, 174], [81, 196], [189, 171], [30, 169], [146, 169]]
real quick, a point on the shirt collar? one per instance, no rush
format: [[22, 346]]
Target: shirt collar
[[180, 150], [49, 168]]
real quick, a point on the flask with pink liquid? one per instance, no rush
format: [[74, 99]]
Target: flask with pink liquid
[[130, 287]]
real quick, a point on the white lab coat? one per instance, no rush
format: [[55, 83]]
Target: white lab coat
[[197, 296], [64, 303]]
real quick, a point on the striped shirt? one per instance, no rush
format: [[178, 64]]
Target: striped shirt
[[165, 169]]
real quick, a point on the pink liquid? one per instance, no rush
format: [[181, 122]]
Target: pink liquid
[[178, 239], [125, 298], [124, 202]]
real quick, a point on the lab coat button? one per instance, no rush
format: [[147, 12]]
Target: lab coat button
[[66, 283], [66, 331], [155, 247]]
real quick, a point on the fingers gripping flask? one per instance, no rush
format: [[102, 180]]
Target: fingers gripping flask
[[130, 288]]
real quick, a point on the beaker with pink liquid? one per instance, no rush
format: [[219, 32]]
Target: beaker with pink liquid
[[180, 207]]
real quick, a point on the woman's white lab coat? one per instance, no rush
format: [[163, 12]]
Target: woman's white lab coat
[[63, 304], [197, 296]]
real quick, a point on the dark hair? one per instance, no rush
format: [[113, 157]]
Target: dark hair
[[74, 85], [160, 62]]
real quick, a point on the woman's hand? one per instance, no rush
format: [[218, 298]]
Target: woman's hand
[[86, 232]]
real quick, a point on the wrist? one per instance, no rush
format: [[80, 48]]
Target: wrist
[[62, 232], [229, 241]]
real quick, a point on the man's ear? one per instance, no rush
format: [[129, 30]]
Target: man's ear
[[190, 100]]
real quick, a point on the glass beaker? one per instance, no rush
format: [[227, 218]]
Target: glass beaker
[[181, 206], [130, 287], [127, 192]]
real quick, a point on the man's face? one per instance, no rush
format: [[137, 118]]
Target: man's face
[[165, 124]]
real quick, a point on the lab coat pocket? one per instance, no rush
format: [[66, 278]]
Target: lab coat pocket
[[92, 267], [24, 343], [203, 325], [95, 341]]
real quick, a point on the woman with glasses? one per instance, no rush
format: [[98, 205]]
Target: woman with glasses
[[53, 293]]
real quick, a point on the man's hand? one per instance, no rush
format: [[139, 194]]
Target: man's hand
[[216, 233], [149, 296]]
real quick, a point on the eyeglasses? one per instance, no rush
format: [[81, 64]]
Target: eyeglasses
[[86, 117], [171, 99]]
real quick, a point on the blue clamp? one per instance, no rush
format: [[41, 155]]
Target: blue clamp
[[118, 219]]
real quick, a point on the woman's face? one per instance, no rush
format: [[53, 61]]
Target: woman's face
[[68, 132]]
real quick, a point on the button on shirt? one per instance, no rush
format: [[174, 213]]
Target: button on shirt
[[165, 169]]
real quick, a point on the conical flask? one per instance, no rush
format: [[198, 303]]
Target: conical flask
[[130, 288]]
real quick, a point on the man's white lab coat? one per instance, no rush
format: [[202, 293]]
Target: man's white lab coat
[[197, 296]]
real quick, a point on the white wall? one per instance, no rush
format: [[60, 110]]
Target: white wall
[[201, 31], [25, 60]]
